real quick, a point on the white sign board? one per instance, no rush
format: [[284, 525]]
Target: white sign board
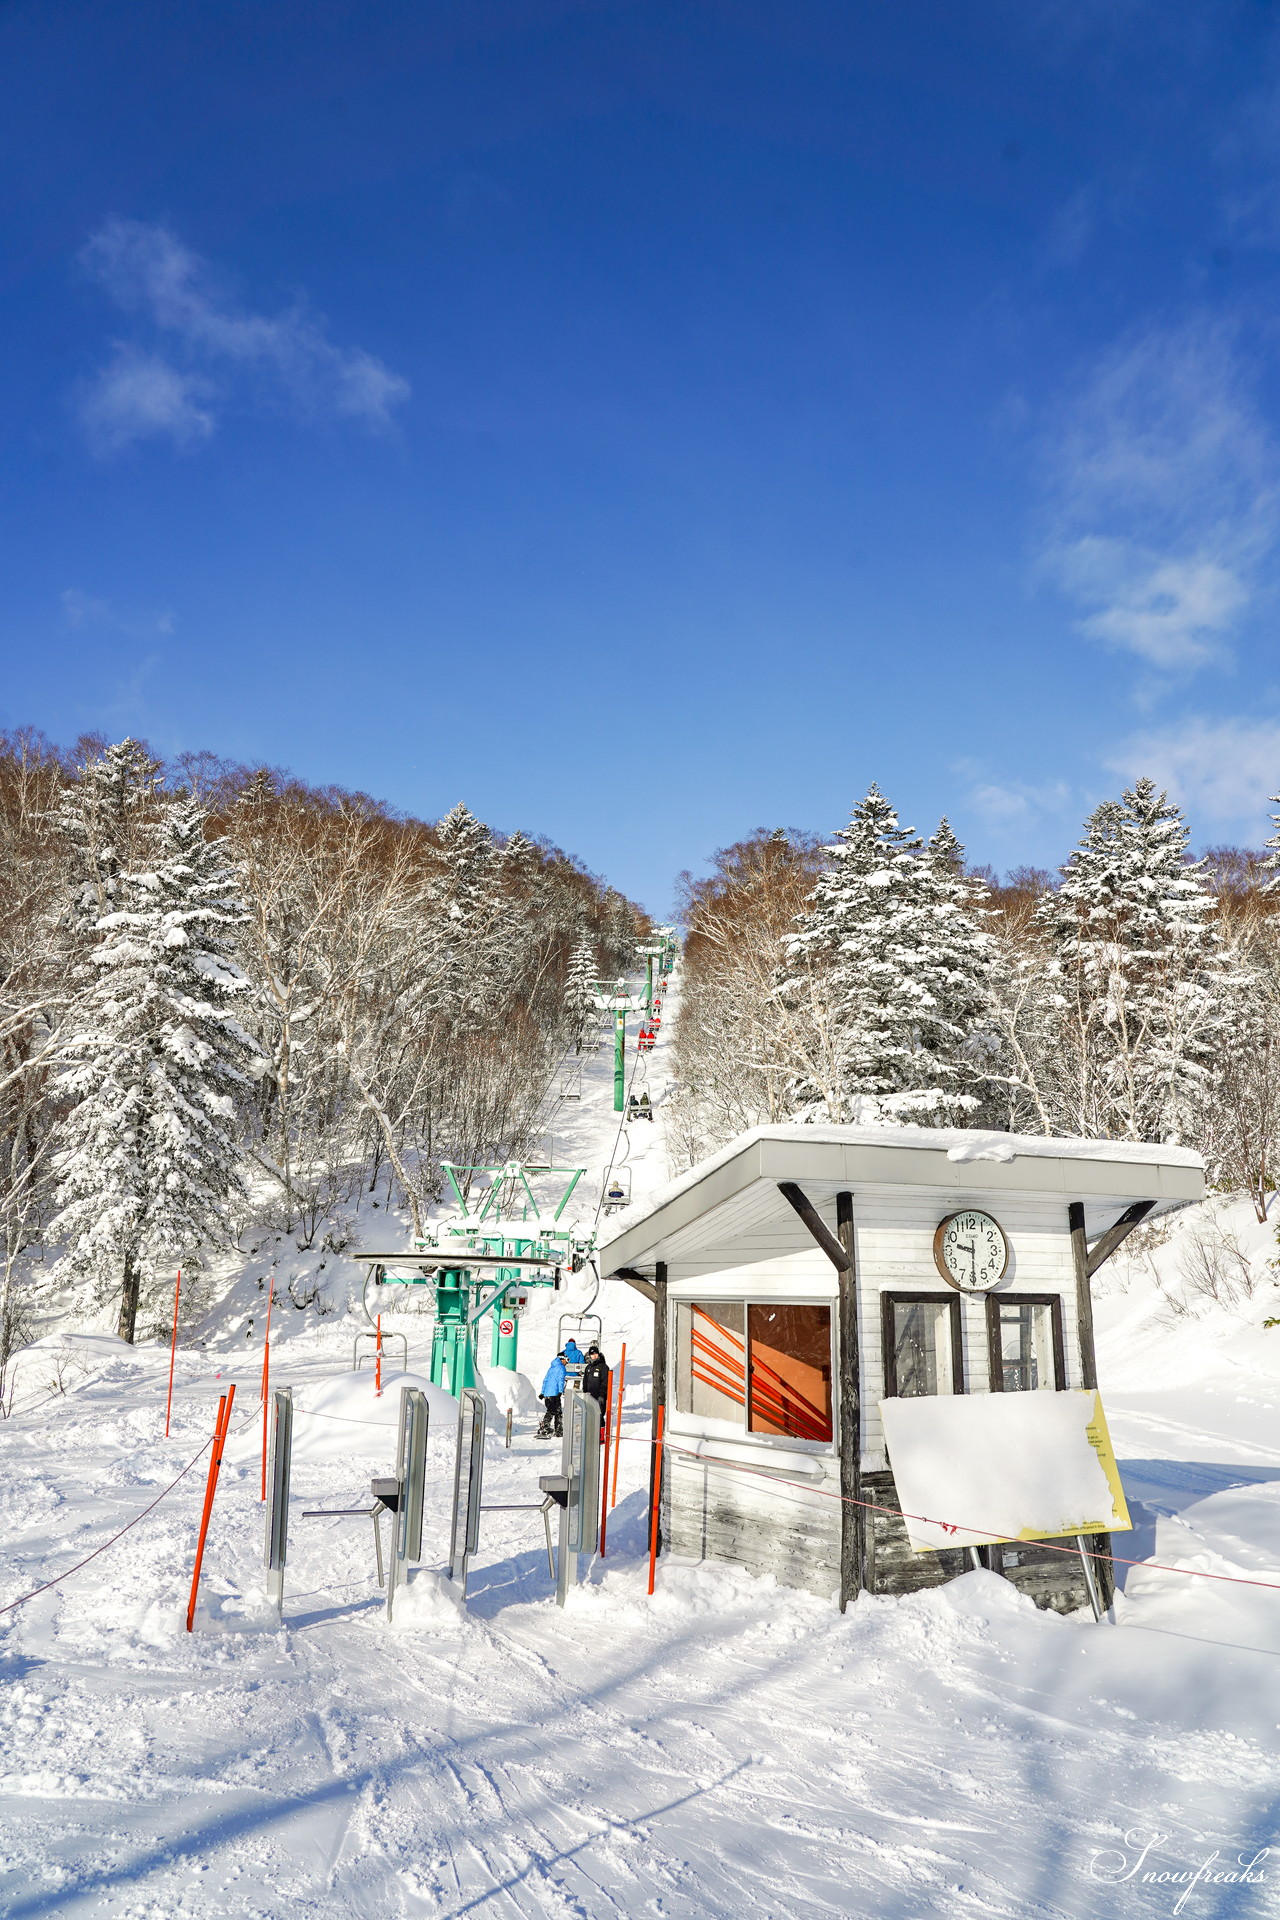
[[976, 1467]]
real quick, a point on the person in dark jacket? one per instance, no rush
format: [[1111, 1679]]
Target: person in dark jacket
[[595, 1380], [552, 1392]]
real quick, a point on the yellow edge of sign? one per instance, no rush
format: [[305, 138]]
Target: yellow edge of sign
[[1099, 1439]]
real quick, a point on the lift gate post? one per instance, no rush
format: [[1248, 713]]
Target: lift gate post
[[411, 1477], [576, 1489], [468, 1473], [276, 1550]]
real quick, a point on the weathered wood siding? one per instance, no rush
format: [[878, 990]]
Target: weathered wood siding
[[712, 1512], [1053, 1580], [891, 1565]]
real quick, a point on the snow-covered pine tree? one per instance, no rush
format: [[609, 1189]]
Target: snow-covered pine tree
[[1272, 860], [579, 997], [473, 936], [107, 816], [957, 954], [885, 971], [1140, 977], [150, 1159]]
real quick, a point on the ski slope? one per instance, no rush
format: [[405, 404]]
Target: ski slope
[[726, 1748]]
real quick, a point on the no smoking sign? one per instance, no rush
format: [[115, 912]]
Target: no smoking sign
[[506, 1328]]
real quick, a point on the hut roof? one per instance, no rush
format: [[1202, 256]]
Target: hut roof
[[727, 1211]]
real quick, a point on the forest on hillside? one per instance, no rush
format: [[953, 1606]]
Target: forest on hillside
[[225, 994], [1134, 995]]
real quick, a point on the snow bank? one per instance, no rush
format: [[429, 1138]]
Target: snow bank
[[342, 1415], [508, 1390]]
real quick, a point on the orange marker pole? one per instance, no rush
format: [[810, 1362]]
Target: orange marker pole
[[617, 1425], [377, 1384], [266, 1379], [604, 1476], [657, 1498], [173, 1350], [220, 1427]]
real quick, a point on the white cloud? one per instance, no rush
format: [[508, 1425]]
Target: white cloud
[[1172, 612], [1009, 803], [83, 612], [147, 271], [1222, 771], [139, 396], [1164, 485]]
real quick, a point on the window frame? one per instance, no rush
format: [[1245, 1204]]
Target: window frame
[[746, 1301], [888, 1301], [995, 1357]]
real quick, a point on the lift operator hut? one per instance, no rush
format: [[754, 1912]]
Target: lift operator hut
[[804, 1274]]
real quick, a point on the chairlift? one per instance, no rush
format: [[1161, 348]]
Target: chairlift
[[590, 1327], [569, 1081], [617, 1190]]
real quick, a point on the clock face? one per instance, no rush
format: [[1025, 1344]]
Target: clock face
[[971, 1250]]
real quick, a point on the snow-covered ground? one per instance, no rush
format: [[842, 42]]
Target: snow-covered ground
[[727, 1748]]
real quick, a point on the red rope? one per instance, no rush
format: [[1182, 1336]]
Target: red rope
[[1116, 1559], [58, 1578]]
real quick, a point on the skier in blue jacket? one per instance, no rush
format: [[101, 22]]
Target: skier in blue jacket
[[553, 1387], [573, 1353]]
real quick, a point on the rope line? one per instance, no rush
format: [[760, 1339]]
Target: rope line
[[1116, 1559], [128, 1526]]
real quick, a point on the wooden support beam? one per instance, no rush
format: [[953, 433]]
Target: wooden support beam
[[852, 1534], [796, 1197], [1086, 1261], [1084, 1295], [636, 1280], [1106, 1243]]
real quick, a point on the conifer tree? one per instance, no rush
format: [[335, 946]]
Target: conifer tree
[[150, 1159], [1272, 845], [1140, 979], [579, 995], [889, 960], [108, 817]]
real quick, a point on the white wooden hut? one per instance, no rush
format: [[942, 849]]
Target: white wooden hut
[[805, 1273]]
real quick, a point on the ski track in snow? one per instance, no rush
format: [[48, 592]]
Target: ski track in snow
[[728, 1748]]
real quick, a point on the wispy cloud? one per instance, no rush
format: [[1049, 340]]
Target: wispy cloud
[[139, 396], [1222, 771], [1163, 483], [1013, 803], [83, 612], [216, 353]]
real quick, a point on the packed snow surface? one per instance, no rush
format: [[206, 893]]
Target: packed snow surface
[[726, 1748]]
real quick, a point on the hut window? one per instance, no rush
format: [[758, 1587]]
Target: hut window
[[765, 1367], [921, 1344], [1025, 1338], [710, 1359], [790, 1370]]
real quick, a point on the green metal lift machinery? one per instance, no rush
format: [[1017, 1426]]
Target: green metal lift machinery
[[619, 998], [484, 1261]]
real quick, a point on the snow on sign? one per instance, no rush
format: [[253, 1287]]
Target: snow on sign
[[1003, 1466]]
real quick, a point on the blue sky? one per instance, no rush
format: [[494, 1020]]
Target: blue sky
[[652, 421]]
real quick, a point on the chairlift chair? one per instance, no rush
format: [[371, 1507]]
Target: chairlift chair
[[617, 1190], [578, 1324], [569, 1082]]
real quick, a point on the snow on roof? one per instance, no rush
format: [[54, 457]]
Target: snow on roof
[[959, 1145]]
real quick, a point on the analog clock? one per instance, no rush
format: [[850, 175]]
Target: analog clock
[[970, 1250]]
